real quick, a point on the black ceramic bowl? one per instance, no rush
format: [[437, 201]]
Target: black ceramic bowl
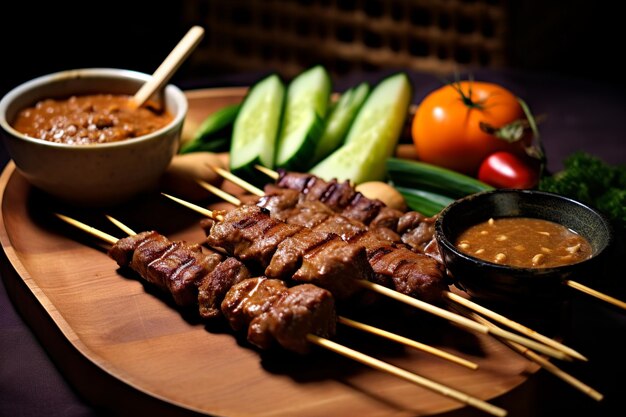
[[502, 283]]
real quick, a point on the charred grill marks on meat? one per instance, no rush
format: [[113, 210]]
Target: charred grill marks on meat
[[274, 313], [215, 285], [175, 267], [270, 311], [290, 251], [415, 229], [393, 263]]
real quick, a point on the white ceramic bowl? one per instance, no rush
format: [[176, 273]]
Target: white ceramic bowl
[[98, 174]]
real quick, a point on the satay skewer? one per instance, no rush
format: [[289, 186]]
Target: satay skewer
[[547, 365], [347, 352], [424, 306], [365, 327], [569, 283], [449, 295]]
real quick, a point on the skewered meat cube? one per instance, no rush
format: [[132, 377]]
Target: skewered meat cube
[[271, 312], [249, 299], [415, 229], [176, 267], [249, 233], [216, 284], [394, 265]]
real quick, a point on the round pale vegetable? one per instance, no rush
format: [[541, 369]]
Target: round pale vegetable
[[383, 192], [182, 173]]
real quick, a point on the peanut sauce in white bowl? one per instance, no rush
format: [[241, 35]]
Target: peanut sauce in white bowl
[[89, 119], [91, 174]]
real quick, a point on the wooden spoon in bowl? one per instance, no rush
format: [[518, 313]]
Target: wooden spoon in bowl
[[169, 66]]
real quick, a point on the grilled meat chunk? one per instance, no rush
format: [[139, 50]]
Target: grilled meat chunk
[[271, 312], [249, 299], [416, 230], [291, 251], [122, 251], [283, 205], [413, 274], [175, 267], [299, 311], [250, 234], [216, 284], [394, 265]]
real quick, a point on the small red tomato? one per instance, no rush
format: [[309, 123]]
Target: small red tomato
[[508, 170]]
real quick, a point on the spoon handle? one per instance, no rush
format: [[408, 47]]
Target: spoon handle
[[167, 68]]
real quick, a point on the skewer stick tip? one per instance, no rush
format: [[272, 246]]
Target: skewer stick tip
[[121, 225], [597, 294], [219, 192], [238, 181], [86, 228], [514, 325], [270, 173], [196, 208]]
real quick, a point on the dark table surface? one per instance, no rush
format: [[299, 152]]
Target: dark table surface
[[579, 115]]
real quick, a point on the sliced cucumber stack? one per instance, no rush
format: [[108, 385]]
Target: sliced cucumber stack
[[373, 135], [339, 120], [256, 126], [306, 106]]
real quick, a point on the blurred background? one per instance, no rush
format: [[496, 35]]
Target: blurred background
[[574, 38]]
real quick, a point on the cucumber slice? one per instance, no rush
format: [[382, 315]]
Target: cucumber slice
[[339, 121], [256, 126], [305, 109], [214, 133], [373, 135], [351, 161]]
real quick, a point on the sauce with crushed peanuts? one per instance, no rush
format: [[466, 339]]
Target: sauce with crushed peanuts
[[524, 242], [89, 119]]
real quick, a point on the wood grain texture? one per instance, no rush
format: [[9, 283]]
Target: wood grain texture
[[137, 336]]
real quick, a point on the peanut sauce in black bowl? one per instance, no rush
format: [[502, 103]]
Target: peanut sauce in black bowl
[[494, 280]]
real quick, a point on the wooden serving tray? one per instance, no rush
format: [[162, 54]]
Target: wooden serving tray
[[117, 339]]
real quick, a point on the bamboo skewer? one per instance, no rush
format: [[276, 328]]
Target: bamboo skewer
[[547, 365], [514, 325], [408, 342], [274, 175], [269, 172], [345, 351], [408, 376], [236, 180], [430, 308], [91, 230], [597, 294]]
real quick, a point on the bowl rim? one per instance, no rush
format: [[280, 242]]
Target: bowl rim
[[443, 240], [170, 89]]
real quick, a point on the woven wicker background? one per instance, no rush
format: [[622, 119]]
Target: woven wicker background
[[349, 35]]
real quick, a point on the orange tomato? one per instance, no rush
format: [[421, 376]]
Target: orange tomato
[[446, 128]]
